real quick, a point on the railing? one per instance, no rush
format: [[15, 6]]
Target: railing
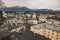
[[51, 34]]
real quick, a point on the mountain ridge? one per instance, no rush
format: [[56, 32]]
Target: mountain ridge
[[16, 8]]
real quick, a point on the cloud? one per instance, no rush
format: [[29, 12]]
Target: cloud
[[51, 4]]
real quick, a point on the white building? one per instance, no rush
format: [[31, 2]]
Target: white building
[[34, 16], [32, 21], [28, 16]]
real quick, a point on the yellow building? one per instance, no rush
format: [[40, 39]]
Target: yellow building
[[47, 32], [23, 21]]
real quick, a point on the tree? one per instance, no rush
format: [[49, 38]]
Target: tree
[[1, 17]]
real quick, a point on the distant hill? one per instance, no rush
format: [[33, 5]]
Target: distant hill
[[16, 8]]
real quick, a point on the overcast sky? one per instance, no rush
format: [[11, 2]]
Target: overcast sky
[[50, 4]]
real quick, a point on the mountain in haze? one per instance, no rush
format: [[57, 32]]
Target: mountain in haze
[[16, 8]]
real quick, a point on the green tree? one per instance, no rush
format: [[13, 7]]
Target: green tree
[[1, 17]]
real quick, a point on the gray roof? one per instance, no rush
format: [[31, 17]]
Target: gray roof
[[44, 25], [38, 26], [10, 15]]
